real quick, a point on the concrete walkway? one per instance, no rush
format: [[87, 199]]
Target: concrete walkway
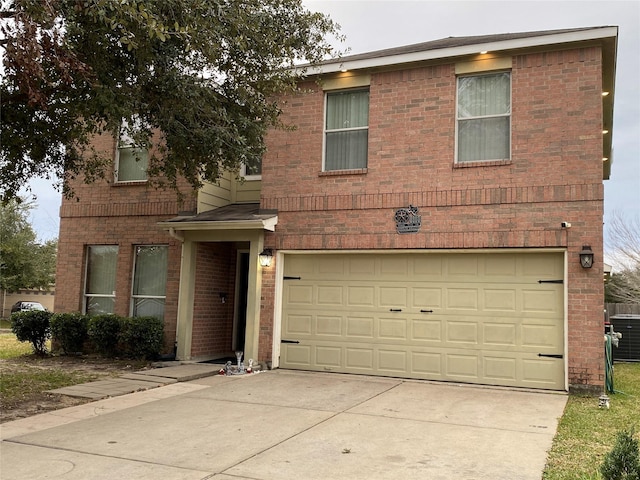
[[290, 425], [139, 381]]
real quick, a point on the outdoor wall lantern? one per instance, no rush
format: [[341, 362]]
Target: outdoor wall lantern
[[266, 257], [586, 256]]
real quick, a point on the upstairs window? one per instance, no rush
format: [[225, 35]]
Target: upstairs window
[[346, 130], [484, 117], [131, 162], [100, 279], [149, 281], [252, 171]]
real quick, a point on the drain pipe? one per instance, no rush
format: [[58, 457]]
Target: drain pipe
[[178, 236]]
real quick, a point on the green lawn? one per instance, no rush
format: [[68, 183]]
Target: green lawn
[[586, 432], [11, 348]]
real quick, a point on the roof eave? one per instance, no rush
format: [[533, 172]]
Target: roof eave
[[439, 53]]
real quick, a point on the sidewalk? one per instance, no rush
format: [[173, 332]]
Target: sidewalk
[[139, 381]]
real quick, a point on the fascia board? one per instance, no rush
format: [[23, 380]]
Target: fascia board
[[514, 44], [261, 224]]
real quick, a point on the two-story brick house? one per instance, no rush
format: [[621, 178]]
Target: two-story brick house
[[425, 220]]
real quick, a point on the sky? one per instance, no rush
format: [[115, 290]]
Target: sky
[[377, 24]]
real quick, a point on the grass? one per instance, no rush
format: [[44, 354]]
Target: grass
[[586, 433], [12, 348], [5, 323], [17, 386]]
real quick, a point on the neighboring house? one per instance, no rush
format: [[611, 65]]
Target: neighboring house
[[425, 218], [44, 297]]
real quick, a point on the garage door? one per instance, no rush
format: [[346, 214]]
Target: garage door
[[491, 318]]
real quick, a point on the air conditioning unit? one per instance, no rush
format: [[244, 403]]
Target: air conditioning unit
[[628, 325]]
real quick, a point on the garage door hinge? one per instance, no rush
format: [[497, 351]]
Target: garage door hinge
[[551, 355], [550, 281], [291, 278]]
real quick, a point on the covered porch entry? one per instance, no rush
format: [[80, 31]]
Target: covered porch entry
[[220, 280]]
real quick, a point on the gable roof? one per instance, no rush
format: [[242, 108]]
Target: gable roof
[[501, 41], [460, 46]]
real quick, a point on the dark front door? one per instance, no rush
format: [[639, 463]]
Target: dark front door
[[241, 317]]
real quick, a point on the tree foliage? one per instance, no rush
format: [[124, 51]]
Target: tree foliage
[[24, 263], [204, 73], [623, 250]]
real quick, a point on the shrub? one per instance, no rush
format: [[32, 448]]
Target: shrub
[[142, 337], [623, 461], [70, 330], [104, 333], [32, 326]]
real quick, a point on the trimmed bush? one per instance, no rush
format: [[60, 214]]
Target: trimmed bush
[[623, 461], [142, 337], [69, 330], [104, 333], [32, 326]]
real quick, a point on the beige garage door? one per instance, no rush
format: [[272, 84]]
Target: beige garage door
[[490, 318]]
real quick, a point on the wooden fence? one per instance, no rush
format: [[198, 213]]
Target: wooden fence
[[622, 308]]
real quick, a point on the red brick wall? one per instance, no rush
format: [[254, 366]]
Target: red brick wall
[[554, 175], [213, 320], [267, 304], [104, 213]]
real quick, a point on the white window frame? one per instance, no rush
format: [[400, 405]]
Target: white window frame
[[133, 297], [126, 142], [86, 295], [243, 173], [351, 129], [509, 115]]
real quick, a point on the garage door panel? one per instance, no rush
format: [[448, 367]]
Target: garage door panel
[[359, 358], [392, 296], [539, 371], [328, 357], [298, 355], [299, 325], [500, 334], [423, 297], [329, 326], [478, 318], [330, 295], [542, 301], [300, 294], [462, 366], [500, 369], [504, 266], [392, 361], [426, 330], [361, 296], [541, 337], [499, 300], [360, 327], [462, 299], [393, 329], [462, 332], [426, 364]]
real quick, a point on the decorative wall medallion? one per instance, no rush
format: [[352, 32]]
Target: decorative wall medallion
[[408, 220]]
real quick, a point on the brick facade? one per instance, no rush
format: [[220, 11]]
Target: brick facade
[[104, 213], [554, 175]]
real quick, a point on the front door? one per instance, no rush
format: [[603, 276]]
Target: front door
[[240, 325]]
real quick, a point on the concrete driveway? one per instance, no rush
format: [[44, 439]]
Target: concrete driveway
[[282, 425]]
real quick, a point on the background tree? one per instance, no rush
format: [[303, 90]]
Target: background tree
[[24, 263], [202, 72], [623, 251]]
